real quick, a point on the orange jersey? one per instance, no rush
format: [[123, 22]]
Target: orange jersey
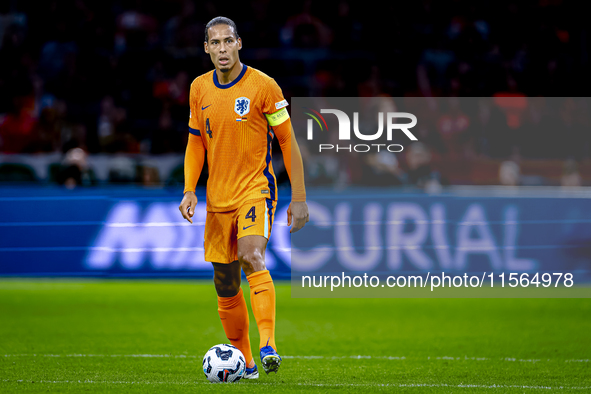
[[231, 123]]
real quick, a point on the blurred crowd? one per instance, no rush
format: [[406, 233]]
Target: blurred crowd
[[83, 78]]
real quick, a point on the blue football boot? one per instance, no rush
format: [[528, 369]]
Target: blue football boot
[[270, 359], [251, 373]]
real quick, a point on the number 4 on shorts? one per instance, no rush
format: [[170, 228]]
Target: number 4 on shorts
[[250, 214]]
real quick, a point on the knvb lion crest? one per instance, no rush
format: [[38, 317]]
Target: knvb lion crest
[[242, 106]]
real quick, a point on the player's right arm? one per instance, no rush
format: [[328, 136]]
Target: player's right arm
[[194, 157]]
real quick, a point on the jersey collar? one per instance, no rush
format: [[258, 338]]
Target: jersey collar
[[234, 82]]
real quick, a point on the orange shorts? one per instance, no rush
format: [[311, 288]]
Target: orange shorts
[[223, 229]]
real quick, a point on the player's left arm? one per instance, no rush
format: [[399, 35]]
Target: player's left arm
[[297, 212], [278, 119]]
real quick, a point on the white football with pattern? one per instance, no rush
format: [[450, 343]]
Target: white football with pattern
[[224, 364]]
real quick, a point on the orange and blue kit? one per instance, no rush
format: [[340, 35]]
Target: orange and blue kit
[[236, 124]]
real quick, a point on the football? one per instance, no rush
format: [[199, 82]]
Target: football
[[224, 364]]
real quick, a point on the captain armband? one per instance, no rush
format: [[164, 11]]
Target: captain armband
[[276, 118]]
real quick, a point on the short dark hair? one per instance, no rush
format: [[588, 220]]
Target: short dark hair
[[220, 20]]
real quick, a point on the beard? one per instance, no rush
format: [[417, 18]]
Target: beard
[[226, 68]]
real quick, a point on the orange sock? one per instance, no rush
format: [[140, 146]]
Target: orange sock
[[262, 300], [234, 316]]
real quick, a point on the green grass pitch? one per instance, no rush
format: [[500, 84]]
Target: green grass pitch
[[150, 336]]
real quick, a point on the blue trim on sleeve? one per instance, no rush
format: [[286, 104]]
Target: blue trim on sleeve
[[195, 132], [234, 82]]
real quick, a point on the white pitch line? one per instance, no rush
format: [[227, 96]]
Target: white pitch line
[[105, 355], [353, 357], [399, 385]]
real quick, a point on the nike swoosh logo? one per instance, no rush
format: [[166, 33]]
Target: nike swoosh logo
[[257, 292], [244, 228], [202, 108]]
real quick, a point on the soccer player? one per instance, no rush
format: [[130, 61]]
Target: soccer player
[[236, 111]]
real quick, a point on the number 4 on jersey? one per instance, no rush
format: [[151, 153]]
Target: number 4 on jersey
[[250, 214], [207, 128]]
